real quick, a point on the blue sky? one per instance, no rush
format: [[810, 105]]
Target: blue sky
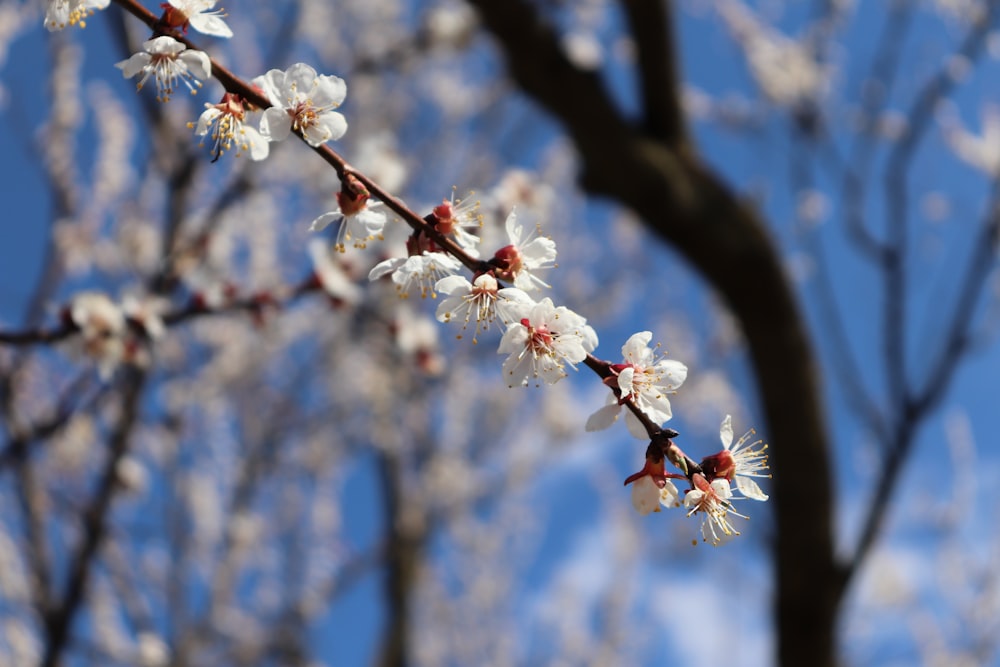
[[759, 162]]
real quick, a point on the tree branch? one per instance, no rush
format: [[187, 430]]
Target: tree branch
[[95, 526], [688, 206], [652, 27]]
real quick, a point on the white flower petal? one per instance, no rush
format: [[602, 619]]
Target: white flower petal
[[635, 427], [276, 124], [603, 418], [674, 373], [323, 221], [513, 304], [134, 64], [163, 45], [625, 381], [637, 344], [386, 267], [205, 120], [749, 489], [300, 77], [449, 284], [645, 495], [210, 24], [669, 497], [198, 63], [726, 432], [329, 91], [259, 145]]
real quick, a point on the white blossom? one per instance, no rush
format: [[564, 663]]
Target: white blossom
[[360, 221], [102, 329], [452, 216], [482, 300], [147, 313], [330, 275], [417, 337], [304, 102], [170, 62], [740, 462], [712, 500], [785, 70], [645, 495], [226, 125], [421, 272], [199, 15], [61, 13], [645, 380], [543, 342], [982, 151], [651, 489], [526, 254]]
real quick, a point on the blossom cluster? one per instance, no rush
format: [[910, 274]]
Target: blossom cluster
[[198, 14], [112, 333], [542, 340], [300, 100], [711, 494]]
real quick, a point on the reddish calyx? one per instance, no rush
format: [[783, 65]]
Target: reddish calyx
[[719, 466], [173, 17], [508, 261]]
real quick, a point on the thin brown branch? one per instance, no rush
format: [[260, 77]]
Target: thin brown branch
[[878, 89], [70, 403], [31, 504], [911, 410], [844, 362], [254, 304], [958, 335], [900, 160], [936, 385]]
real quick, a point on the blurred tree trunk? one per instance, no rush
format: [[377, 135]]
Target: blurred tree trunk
[[651, 167]]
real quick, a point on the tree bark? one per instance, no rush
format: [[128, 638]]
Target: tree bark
[[660, 177]]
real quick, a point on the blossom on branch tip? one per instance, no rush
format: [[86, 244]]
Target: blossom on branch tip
[[102, 329], [482, 299], [543, 341], [170, 62], [526, 254], [738, 462], [360, 221], [422, 272], [197, 14], [225, 124], [145, 314], [712, 500], [61, 13], [450, 218], [331, 276], [643, 379], [303, 102], [651, 488], [417, 337]]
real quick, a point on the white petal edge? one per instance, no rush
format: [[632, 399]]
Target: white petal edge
[[603, 418], [726, 432], [749, 489]]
